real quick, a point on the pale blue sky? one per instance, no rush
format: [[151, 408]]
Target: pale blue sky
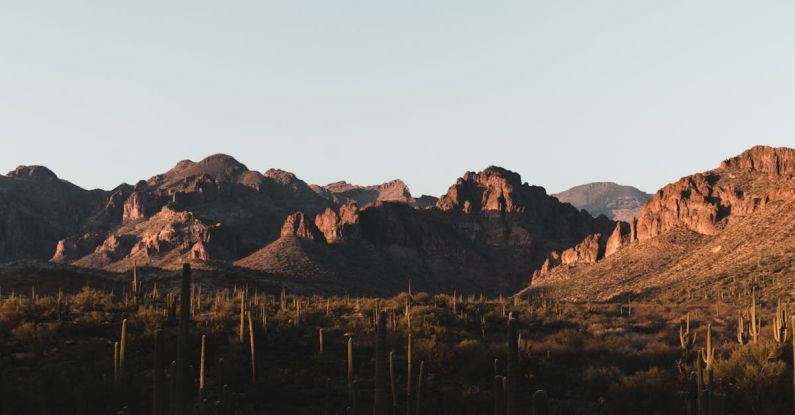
[[563, 92]]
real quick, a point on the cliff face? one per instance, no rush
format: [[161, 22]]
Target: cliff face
[[488, 233], [707, 202]]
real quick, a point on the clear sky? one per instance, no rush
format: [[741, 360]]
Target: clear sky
[[563, 92]]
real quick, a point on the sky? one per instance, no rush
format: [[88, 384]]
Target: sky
[[562, 92]]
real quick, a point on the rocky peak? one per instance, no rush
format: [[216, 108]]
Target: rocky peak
[[282, 177], [33, 172], [494, 188], [217, 167], [779, 162], [393, 190]]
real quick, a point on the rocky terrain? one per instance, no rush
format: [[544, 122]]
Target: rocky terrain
[[615, 201], [37, 209], [737, 219], [490, 232], [486, 234]]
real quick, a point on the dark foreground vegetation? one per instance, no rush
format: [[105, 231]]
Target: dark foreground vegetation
[[194, 350]]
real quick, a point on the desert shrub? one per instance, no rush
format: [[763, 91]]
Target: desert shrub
[[753, 375], [33, 336], [649, 391], [477, 356], [89, 299], [597, 380], [148, 320]]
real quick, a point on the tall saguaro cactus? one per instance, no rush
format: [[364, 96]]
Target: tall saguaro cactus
[[540, 403], [756, 322], [780, 331], [420, 378], [183, 391], [252, 345], [380, 406], [512, 370], [392, 385], [122, 347], [201, 368], [350, 370], [409, 393]]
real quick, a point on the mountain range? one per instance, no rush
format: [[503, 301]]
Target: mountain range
[[490, 232]]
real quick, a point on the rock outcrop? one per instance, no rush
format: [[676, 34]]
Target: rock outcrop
[[336, 226], [707, 202], [299, 226]]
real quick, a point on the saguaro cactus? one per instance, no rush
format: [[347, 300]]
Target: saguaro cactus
[[793, 363], [409, 393], [350, 369], [499, 396], [183, 346], [686, 338], [540, 403], [742, 331], [780, 323], [242, 328], [380, 406], [419, 387], [253, 351], [512, 370], [115, 360], [708, 355], [201, 368], [122, 347], [392, 385], [756, 322]]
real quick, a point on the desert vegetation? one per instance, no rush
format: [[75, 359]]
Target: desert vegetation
[[177, 346]]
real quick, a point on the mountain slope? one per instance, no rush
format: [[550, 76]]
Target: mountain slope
[[735, 221], [37, 209], [615, 201]]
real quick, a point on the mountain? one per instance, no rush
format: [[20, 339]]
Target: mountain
[[391, 191], [37, 209], [484, 235], [737, 220], [615, 201], [214, 209]]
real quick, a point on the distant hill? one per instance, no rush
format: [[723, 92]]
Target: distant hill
[[391, 191], [613, 200]]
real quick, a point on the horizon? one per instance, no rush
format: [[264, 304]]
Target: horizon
[[413, 192], [636, 94]]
